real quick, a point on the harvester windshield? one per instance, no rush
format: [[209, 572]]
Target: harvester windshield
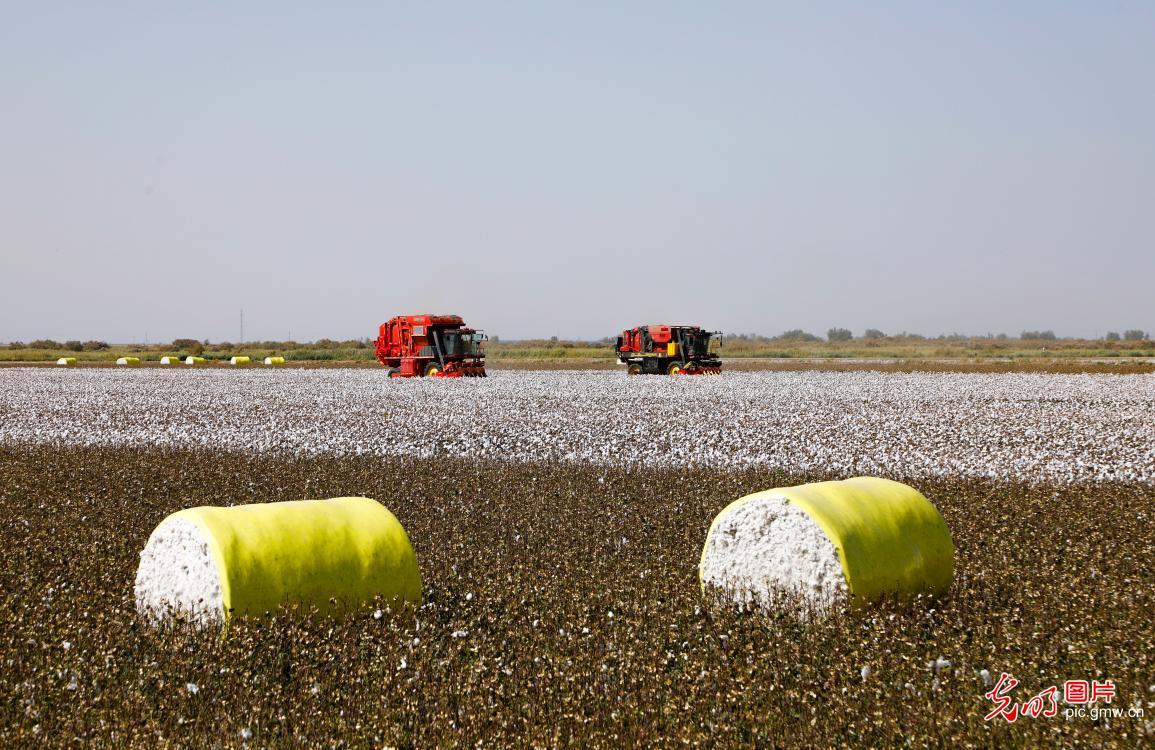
[[467, 343], [702, 343]]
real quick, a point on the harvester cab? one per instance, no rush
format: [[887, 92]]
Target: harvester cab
[[439, 346], [670, 350]]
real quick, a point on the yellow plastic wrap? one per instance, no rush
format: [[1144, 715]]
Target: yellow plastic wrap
[[128, 361], [66, 361], [890, 539], [274, 361], [309, 552], [239, 360], [191, 360]]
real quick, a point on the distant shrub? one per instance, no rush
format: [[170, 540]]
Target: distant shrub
[[796, 334], [839, 334], [45, 344], [15, 344], [1134, 334], [1111, 336], [192, 346], [74, 346], [873, 333], [95, 346], [1037, 335]]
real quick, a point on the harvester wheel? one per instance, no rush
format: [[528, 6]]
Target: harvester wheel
[[393, 372], [675, 368], [634, 370], [432, 370]]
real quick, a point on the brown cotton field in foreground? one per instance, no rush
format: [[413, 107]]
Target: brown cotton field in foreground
[[562, 608]]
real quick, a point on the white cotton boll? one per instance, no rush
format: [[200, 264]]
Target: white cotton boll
[[985, 675], [192, 688], [865, 671], [939, 665]]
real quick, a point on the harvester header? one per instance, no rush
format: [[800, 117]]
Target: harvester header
[[440, 346], [670, 350]]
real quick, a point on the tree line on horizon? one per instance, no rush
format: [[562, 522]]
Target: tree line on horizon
[[797, 335]]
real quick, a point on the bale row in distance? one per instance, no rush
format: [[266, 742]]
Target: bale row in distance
[[174, 360]]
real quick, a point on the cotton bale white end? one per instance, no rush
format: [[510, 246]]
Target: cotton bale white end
[[769, 552], [177, 577]]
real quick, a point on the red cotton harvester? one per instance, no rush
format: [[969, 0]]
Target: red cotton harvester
[[670, 350], [435, 346]]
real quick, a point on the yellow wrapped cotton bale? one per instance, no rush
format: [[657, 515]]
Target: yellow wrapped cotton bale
[[274, 361], [239, 360], [208, 564], [863, 538], [66, 361], [170, 360], [128, 361], [191, 360]]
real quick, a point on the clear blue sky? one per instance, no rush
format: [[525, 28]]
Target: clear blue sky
[[548, 170]]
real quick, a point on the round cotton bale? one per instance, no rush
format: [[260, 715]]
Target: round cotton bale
[[208, 564], [274, 361], [819, 544], [191, 360], [239, 360], [170, 360], [66, 361], [128, 361]]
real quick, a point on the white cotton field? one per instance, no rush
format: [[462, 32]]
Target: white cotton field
[[1034, 427]]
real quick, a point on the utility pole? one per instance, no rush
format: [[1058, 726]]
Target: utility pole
[[242, 325]]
